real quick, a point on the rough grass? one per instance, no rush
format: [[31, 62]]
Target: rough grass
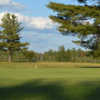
[[49, 81], [50, 65]]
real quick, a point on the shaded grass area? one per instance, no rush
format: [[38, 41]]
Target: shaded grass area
[[24, 83], [38, 90], [33, 90]]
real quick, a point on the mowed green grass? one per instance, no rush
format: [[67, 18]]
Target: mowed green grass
[[49, 81]]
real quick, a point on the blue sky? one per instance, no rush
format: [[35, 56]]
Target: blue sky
[[38, 8], [39, 30]]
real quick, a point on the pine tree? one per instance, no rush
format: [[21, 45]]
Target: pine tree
[[81, 20], [95, 2], [9, 35]]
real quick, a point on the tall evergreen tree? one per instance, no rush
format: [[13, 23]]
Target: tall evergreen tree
[[9, 35], [95, 2], [82, 20]]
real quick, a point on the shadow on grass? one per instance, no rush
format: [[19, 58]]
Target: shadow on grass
[[41, 90], [91, 67], [34, 90], [92, 90]]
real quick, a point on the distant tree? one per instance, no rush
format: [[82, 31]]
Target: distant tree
[[61, 54], [30, 55], [81, 20], [9, 35]]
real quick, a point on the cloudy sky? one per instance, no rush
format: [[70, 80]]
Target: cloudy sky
[[39, 30]]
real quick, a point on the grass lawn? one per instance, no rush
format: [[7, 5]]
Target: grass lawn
[[44, 81]]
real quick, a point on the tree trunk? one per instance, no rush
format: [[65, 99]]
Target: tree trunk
[[9, 58], [98, 41]]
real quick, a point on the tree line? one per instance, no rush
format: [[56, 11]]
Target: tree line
[[60, 55]]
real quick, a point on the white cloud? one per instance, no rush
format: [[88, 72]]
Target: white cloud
[[10, 4], [31, 23], [4, 2], [35, 22]]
